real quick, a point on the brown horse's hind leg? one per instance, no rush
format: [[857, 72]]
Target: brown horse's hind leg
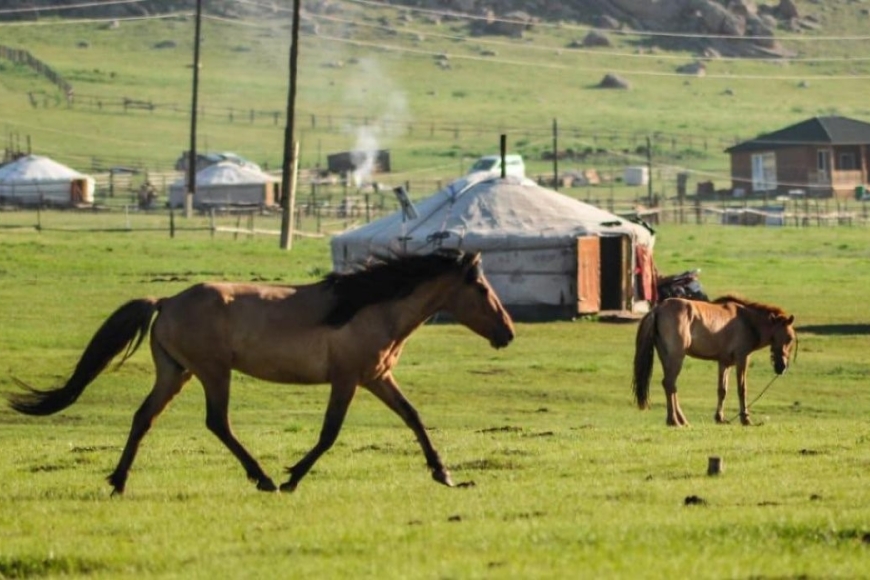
[[672, 367], [387, 390], [170, 378], [217, 400], [741, 391], [339, 400], [721, 392]]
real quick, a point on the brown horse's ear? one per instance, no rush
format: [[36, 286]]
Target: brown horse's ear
[[777, 318], [471, 261]]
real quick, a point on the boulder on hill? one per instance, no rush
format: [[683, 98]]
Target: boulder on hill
[[612, 81], [596, 38]]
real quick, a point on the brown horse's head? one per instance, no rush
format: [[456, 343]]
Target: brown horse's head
[[474, 304], [782, 340]]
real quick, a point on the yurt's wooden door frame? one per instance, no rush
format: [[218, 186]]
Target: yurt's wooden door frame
[[604, 274]]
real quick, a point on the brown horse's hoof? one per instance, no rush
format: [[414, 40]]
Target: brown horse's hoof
[[288, 487], [720, 419], [118, 483], [266, 485], [443, 476], [745, 421]]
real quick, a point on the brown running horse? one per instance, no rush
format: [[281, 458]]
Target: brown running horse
[[727, 330], [346, 330]]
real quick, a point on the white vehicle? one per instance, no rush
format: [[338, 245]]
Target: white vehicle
[[514, 165]]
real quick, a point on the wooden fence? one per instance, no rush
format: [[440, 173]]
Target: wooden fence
[[24, 57]]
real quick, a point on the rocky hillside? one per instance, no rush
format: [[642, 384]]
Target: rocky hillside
[[741, 18], [744, 18]]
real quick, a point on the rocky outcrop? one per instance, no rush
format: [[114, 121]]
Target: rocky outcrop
[[728, 21], [731, 20]]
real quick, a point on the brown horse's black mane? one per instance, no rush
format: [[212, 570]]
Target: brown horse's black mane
[[776, 310], [387, 278]]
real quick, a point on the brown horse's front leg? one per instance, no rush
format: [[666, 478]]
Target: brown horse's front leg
[[387, 390], [722, 391], [339, 401], [217, 421], [741, 391]]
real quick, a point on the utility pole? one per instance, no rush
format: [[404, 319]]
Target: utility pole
[[194, 105], [291, 150]]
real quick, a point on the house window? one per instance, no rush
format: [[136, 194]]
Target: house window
[[764, 171], [822, 157], [847, 161]]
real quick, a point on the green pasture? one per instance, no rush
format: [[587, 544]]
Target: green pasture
[[374, 69], [570, 480]]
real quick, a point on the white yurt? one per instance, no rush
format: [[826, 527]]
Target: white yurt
[[35, 179], [547, 255], [225, 184]]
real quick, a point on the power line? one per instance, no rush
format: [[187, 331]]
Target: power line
[[60, 7], [77, 21]]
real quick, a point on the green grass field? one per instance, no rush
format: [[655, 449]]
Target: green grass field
[[570, 479]]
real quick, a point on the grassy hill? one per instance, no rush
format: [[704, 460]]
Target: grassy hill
[[373, 72]]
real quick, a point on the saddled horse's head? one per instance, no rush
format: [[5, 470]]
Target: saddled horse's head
[[474, 304], [783, 340]]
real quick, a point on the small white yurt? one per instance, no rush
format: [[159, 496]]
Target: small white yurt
[[547, 255], [227, 184], [37, 180]]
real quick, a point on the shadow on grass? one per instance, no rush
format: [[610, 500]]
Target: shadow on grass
[[835, 329]]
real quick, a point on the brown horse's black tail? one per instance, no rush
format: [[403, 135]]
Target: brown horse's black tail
[[123, 330], [643, 358]]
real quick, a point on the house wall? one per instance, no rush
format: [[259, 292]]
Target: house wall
[[797, 169], [741, 171], [793, 168]]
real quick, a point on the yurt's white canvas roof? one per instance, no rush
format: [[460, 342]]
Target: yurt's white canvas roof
[[491, 213], [36, 168], [227, 173]]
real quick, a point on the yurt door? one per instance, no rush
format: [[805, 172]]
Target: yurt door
[[616, 279], [588, 275]]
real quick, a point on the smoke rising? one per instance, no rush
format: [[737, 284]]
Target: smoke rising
[[385, 108]]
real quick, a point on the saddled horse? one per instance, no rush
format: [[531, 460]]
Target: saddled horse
[[347, 330], [727, 330]]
